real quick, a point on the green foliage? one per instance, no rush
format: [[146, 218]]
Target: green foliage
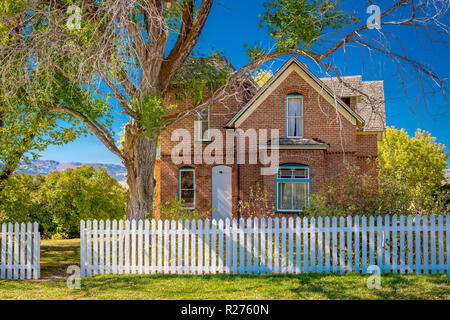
[[410, 181], [150, 110], [348, 192], [174, 210], [257, 205], [200, 76], [59, 201], [299, 24], [418, 162]]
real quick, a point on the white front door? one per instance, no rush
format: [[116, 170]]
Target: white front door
[[221, 192]]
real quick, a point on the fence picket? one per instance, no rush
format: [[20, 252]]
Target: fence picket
[[146, 232], [394, 244], [363, 244], [37, 251], [291, 245], [356, 262], [327, 245], [349, 246], [139, 246], [269, 245], [380, 242], [305, 244], [276, 236], [235, 247], [263, 246], [342, 245], [114, 247], [101, 255], [319, 244], [207, 233], [441, 242], [371, 241], [220, 234], [387, 242], [433, 248], [283, 245], [410, 249], [121, 253], [255, 234], [425, 244], [193, 246], [312, 245], [298, 252], [173, 251], [418, 248], [334, 245], [402, 258]]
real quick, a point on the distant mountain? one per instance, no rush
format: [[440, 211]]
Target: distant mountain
[[44, 167]]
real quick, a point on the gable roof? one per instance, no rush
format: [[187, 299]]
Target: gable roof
[[323, 90]]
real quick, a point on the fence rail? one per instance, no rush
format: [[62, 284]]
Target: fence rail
[[19, 251], [395, 244]]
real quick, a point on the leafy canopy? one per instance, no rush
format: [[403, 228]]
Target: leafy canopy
[[299, 24]]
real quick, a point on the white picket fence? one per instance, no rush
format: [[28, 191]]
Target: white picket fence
[[395, 244], [19, 253]]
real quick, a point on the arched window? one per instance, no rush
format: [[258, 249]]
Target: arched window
[[186, 187], [293, 184], [294, 115]]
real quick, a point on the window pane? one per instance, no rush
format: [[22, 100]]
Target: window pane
[[205, 126], [300, 195], [294, 106], [285, 173], [203, 118], [300, 173], [188, 197], [187, 179], [291, 127], [285, 196]]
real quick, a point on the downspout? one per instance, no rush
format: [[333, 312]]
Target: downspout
[[238, 174]]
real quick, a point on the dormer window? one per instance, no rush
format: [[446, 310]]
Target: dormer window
[[294, 116], [346, 100]]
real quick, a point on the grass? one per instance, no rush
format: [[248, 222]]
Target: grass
[[56, 256]]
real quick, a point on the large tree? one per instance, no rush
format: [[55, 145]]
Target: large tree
[[130, 51]]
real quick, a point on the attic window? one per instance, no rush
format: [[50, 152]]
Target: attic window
[[346, 100]]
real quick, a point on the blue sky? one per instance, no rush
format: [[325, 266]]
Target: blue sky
[[233, 23]]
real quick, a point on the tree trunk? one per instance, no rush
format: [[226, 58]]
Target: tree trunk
[[140, 153]]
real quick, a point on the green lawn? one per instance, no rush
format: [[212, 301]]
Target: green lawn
[[57, 255]]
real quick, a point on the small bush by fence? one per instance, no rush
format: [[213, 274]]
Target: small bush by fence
[[19, 251], [395, 244]]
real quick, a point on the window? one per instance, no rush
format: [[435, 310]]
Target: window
[[203, 124], [294, 116], [292, 188], [346, 100], [186, 187]]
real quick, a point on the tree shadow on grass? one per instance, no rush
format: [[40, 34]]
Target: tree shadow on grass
[[57, 256]]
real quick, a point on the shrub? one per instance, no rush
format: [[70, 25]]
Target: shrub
[[174, 210], [59, 201]]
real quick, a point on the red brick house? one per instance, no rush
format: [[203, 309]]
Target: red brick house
[[321, 122]]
